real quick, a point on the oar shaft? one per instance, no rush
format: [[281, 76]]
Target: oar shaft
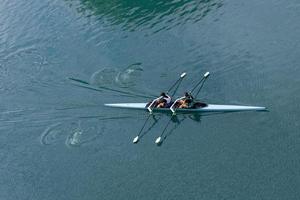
[[158, 140], [173, 85], [162, 133], [198, 83], [175, 90], [199, 89], [167, 126], [202, 81], [144, 125], [177, 82], [136, 139]]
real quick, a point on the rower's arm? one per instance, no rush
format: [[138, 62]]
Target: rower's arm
[[149, 107], [171, 108]]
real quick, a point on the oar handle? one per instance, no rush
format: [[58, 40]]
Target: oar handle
[[172, 106], [149, 107]]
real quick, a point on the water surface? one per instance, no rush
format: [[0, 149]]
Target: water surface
[[60, 61]]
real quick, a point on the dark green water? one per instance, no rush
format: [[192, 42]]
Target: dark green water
[[58, 141]]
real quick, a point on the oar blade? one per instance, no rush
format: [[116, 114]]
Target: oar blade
[[158, 140], [206, 74], [136, 139]]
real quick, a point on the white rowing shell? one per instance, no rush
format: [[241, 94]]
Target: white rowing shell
[[208, 108]]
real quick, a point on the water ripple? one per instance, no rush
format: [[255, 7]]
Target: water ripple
[[84, 133], [125, 81], [104, 77], [109, 76], [130, 76], [51, 134], [74, 133]]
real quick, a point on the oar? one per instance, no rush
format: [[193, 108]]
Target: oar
[[159, 140], [173, 105], [177, 82], [206, 75], [136, 139], [168, 133]]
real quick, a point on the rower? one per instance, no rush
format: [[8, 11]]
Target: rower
[[161, 102], [187, 101], [164, 101], [183, 102]]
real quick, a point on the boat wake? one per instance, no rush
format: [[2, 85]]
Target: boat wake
[[74, 134], [121, 81]]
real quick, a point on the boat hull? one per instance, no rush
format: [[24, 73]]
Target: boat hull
[[208, 108]]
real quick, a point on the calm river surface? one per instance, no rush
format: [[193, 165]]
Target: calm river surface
[[61, 60]]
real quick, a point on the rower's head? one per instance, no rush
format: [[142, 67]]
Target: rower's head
[[187, 94], [163, 94]]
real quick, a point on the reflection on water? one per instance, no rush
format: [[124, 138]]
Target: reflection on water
[[147, 14]]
